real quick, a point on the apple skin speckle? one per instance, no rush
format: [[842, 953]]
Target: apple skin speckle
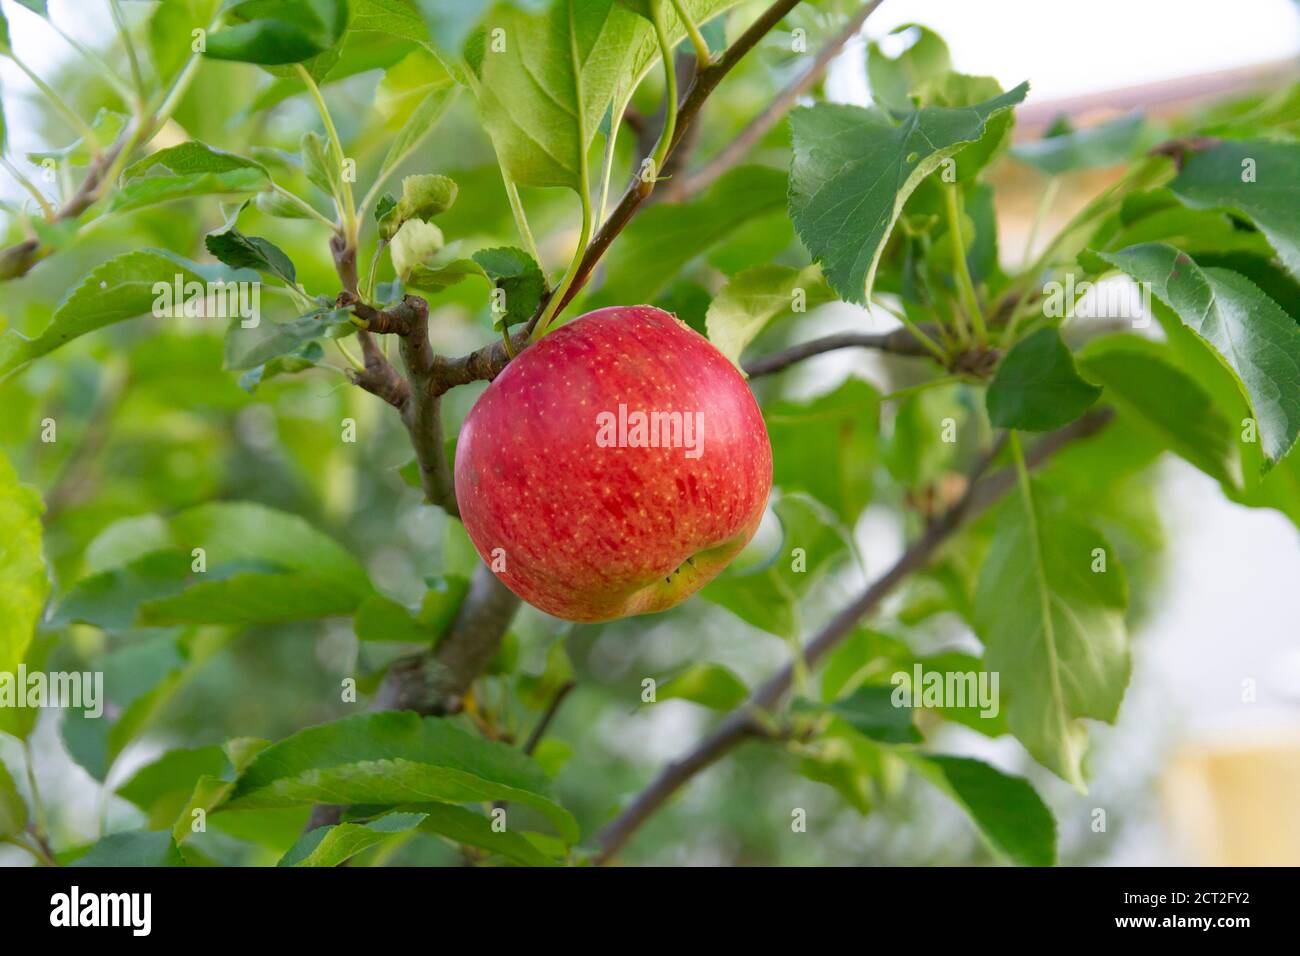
[[592, 533]]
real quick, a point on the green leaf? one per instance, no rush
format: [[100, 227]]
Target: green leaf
[[1053, 628], [144, 710], [1167, 403], [359, 52], [110, 598], [238, 530], [425, 196], [122, 288], [209, 793], [1158, 216], [391, 759], [847, 761], [444, 269], [24, 583], [870, 711], [536, 691], [753, 298], [318, 164], [1037, 387], [280, 206], [383, 619], [20, 722], [248, 348], [543, 97], [420, 124], [334, 845], [107, 126], [1246, 329], [262, 566], [710, 685], [189, 169], [864, 654], [893, 78], [1106, 144], [1257, 178], [191, 157], [135, 848], [13, 808], [669, 235], [141, 679], [163, 788], [300, 359], [767, 596], [643, 50], [271, 34], [415, 244], [171, 33], [853, 169], [1007, 810], [252, 598], [954, 90], [451, 23], [843, 424], [473, 829], [407, 84], [519, 278], [251, 252]]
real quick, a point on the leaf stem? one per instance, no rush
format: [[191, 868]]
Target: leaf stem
[[1040, 215], [917, 333], [521, 218], [1139, 175], [302, 204], [702, 53], [125, 34], [922, 387], [28, 185], [36, 853], [346, 206], [960, 268], [352, 359], [660, 154], [607, 165], [110, 76], [369, 289], [557, 298], [38, 806], [63, 109]]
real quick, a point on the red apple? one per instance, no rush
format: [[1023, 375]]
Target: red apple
[[614, 467]]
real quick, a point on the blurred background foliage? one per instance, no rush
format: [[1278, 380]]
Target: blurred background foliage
[[149, 422]]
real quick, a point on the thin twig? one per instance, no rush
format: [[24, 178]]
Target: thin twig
[[743, 722], [486, 363], [705, 82], [544, 721], [897, 342], [758, 127]]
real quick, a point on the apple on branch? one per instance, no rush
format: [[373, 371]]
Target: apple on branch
[[613, 468]]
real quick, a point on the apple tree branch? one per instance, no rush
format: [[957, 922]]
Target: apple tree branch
[[742, 723]]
